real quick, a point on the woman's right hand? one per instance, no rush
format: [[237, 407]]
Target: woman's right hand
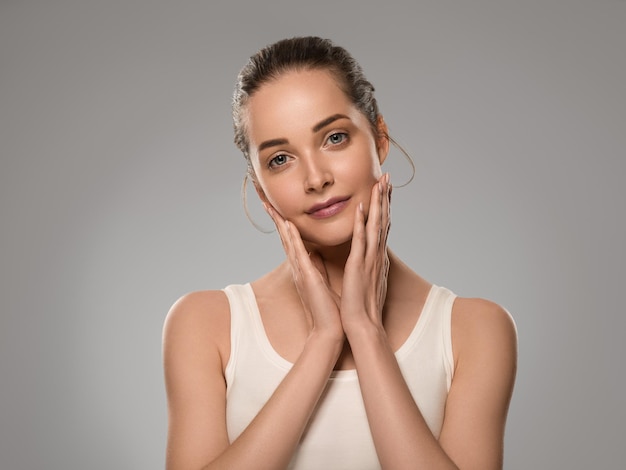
[[320, 303]]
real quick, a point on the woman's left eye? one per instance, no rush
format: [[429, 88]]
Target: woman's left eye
[[278, 160], [337, 138]]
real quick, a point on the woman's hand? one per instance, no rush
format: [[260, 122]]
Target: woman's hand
[[365, 278], [320, 303]]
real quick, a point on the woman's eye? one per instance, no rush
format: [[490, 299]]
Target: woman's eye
[[337, 138], [278, 160]]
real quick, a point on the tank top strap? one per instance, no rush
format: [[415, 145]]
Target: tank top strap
[[249, 341], [240, 322], [432, 330], [447, 298]]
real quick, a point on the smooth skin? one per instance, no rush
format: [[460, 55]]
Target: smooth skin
[[340, 300]]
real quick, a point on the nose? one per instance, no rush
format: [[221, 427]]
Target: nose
[[318, 176]]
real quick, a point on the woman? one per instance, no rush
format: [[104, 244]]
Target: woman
[[342, 356]]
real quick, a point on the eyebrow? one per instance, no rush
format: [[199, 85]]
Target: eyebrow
[[272, 143], [320, 125], [316, 128]]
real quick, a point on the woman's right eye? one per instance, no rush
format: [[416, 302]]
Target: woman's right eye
[[278, 160]]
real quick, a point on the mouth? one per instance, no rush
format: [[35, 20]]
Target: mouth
[[328, 208]]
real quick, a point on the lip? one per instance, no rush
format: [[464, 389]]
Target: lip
[[328, 208]]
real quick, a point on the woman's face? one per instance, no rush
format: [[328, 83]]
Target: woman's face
[[314, 154]]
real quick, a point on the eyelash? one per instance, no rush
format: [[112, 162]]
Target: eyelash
[[273, 164], [344, 136]]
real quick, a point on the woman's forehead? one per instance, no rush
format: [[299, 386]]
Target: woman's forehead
[[296, 99]]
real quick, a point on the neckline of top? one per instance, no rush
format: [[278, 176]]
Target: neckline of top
[[283, 363]]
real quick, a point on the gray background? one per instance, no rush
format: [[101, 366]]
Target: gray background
[[119, 192]]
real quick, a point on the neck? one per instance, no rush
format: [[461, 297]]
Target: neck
[[334, 259]]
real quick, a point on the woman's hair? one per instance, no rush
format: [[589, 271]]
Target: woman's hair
[[300, 53]]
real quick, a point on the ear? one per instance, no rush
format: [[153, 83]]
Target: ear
[[382, 139]]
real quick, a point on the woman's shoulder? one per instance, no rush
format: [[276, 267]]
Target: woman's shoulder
[[198, 321], [198, 306], [481, 326], [479, 314]]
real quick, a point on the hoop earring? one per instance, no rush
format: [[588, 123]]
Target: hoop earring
[[244, 198], [408, 158]]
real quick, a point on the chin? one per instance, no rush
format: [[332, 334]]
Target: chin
[[331, 232], [328, 237], [331, 242]]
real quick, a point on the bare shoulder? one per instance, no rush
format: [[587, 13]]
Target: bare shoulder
[[196, 343], [198, 306], [484, 345], [482, 325], [481, 316], [198, 322]]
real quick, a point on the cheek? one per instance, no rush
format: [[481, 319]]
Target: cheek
[[368, 176], [359, 165], [364, 174], [369, 165], [282, 197]]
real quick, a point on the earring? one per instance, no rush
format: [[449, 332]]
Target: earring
[[408, 159], [244, 197]]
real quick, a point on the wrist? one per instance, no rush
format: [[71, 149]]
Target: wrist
[[329, 342], [365, 332]]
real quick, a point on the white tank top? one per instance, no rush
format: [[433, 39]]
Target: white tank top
[[338, 435]]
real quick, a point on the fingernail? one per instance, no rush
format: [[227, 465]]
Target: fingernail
[[361, 207], [387, 178]]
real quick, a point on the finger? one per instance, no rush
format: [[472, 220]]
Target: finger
[[296, 246], [357, 249], [373, 226], [317, 261], [275, 216], [386, 213], [281, 226], [286, 238], [300, 253]]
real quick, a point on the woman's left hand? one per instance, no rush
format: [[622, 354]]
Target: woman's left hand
[[365, 277]]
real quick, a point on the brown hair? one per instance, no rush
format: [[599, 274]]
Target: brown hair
[[300, 53]]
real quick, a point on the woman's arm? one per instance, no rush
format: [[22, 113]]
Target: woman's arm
[[196, 330], [473, 428], [484, 341], [485, 348]]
